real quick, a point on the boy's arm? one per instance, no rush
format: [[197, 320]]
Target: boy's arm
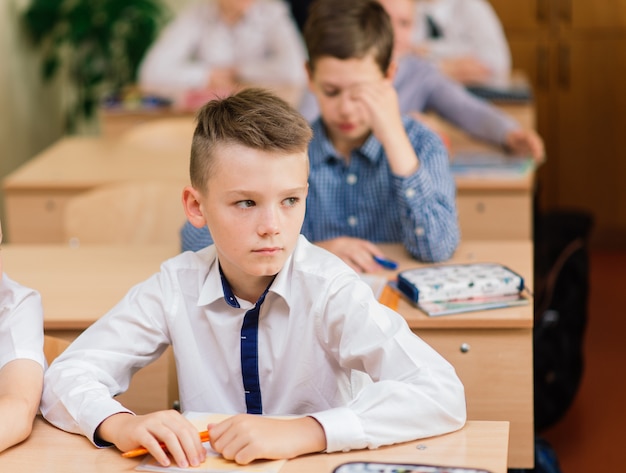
[[168, 67], [21, 383], [424, 187], [415, 392], [80, 385], [244, 438]]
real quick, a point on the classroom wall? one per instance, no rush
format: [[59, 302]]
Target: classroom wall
[[30, 112]]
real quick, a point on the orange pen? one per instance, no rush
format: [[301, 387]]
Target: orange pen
[[137, 452]]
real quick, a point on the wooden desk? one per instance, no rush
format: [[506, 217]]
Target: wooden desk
[[491, 209], [116, 121], [477, 445], [39, 189], [79, 285], [491, 350]]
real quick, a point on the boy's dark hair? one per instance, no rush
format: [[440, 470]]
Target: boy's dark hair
[[254, 118], [346, 29]]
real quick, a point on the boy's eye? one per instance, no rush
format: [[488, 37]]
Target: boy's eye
[[330, 92], [291, 201], [244, 204]]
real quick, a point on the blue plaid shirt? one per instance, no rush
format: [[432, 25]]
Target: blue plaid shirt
[[363, 199]]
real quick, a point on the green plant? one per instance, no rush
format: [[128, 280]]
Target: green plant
[[99, 42]]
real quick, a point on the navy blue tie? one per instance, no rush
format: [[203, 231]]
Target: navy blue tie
[[250, 358]]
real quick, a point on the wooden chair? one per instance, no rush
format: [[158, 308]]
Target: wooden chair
[[132, 212], [53, 347], [163, 134]]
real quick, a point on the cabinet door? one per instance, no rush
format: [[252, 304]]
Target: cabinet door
[[591, 119], [596, 14], [528, 14]]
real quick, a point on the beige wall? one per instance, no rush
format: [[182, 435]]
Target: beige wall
[[30, 111]]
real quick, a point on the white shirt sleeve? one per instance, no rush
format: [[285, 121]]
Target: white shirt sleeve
[[415, 392], [469, 27], [80, 385], [21, 323], [169, 65]]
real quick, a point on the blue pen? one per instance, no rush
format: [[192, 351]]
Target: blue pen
[[385, 263]]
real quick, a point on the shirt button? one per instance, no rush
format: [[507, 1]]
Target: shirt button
[[351, 179], [419, 231], [352, 221], [410, 193]]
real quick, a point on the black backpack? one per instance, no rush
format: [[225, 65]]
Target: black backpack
[[561, 304]]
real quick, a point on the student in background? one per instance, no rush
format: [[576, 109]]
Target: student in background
[[422, 88], [376, 177], [213, 46], [261, 322], [464, 38], [21, 359]]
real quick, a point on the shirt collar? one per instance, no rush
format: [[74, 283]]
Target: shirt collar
[[215, 287], [322, 150]]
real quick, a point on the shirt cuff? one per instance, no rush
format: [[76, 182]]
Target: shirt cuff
[[342, 428], [92, 420]]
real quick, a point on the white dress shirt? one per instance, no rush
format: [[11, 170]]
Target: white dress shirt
[[322, 339], [469, 27], [264, 46], [21, 323]]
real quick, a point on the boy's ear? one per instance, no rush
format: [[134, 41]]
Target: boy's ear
[[391, 70], [193, 207]]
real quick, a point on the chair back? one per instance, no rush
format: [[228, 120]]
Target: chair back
[[164, 134], [131, 212]]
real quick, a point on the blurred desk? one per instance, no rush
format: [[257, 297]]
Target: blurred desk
[[477, 445], [492, 208], [492, 350], [36, 193], [115, 120], [79, 285]]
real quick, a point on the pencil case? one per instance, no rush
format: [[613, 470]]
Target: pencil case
[[458, 281]]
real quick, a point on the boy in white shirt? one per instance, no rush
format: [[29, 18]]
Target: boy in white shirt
[[21, 359], [261, 322], [213, 46]]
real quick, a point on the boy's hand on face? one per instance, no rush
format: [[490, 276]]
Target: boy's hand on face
[[245, 438], [379, 101], [357, 253], [127, 432], [522, 142]]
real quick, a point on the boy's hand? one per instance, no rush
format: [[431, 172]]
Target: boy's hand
[[526, 142], [128, 432], [357, 253], [379, 102], [245, 437]]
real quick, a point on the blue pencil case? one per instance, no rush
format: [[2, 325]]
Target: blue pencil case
[[458, 281]]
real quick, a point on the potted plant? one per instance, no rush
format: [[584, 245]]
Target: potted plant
[[99, 43]]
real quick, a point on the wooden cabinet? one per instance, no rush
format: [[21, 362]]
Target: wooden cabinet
[[574, 52], [495, 366]]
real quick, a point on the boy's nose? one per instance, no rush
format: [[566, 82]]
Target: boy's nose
[[269, 224]]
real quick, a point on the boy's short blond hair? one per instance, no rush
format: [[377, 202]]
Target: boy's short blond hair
[[254, 118], [346, 29]]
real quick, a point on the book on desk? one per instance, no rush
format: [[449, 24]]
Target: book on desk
[[455, 288], [490, 165]]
